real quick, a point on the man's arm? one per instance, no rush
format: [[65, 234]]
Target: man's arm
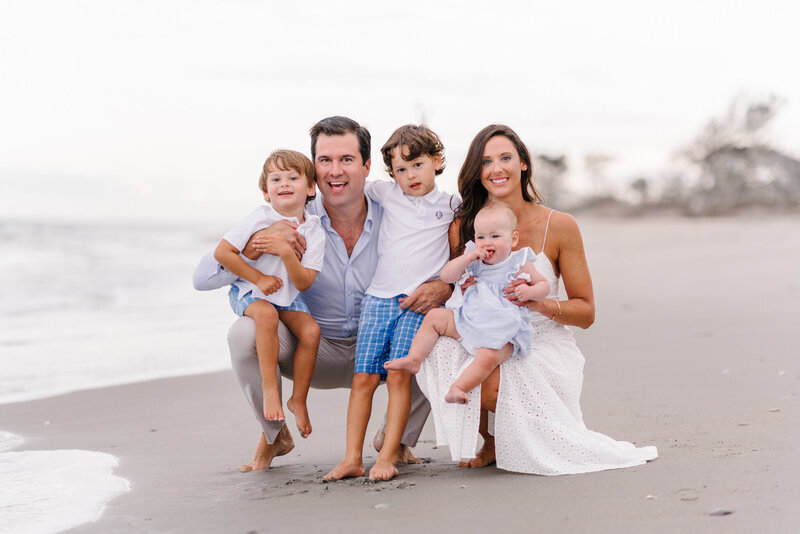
[[209, 274]]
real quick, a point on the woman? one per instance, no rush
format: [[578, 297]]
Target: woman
[[538, 426]]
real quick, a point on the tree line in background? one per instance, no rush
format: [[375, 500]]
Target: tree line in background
[[730, 166]]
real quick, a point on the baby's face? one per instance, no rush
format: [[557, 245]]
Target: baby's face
[[287, 190], [416, 177], [495, 234]]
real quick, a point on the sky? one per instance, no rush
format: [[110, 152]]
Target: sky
[[164, 111]]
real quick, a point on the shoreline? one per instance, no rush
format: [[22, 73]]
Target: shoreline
[[682, 356]]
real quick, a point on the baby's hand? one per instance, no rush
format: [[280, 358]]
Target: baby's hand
[[269, 284]]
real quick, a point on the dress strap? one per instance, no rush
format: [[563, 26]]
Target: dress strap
[[546, 227]]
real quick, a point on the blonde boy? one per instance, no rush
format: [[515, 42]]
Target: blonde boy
[[412, 249], [269, 286]]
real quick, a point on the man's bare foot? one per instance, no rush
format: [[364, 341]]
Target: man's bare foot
[[383, 470], [300, 411], [265, 452], [484, 457], [346, 469], [273, 410], [455, 396], [404, 455], [403, 364]]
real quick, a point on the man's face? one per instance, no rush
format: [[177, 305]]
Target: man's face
[[341, 175]]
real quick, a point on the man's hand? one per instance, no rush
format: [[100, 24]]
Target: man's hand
[[427, 296], [259, 243], [269, 284]]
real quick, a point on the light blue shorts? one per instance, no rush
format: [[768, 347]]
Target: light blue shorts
[[239, 305], [385, 332]]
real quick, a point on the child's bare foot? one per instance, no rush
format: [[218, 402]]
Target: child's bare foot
[[300, 411], [484, 457], [383, 470], [346, 469], [455, 395], [403, 364], [404, 454], [265, 452], [273, 410]]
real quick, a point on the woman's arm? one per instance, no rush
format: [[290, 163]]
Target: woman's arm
[[570, 258]]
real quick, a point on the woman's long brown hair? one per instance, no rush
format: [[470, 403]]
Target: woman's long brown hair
[[473, 194]]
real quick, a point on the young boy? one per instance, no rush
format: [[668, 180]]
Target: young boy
[[269, 286], [412, 249]]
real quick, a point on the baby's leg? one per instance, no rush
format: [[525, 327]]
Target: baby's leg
[[306, 330], [266, 318], [485, 361], [437, 322]]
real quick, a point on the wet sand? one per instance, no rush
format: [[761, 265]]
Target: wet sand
[[695, 350]]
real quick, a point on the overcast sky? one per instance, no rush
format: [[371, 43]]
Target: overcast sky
[[165, 110]]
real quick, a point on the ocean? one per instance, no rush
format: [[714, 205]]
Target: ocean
[[85, 306]]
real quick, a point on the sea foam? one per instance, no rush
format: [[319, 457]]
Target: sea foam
[[52, 491]]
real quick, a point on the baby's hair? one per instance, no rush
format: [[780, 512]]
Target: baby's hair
[[288, 160], [418, 140], [496, 206]]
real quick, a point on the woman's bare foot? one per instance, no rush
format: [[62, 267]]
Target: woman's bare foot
[[403, 364], [273, 410], [484, 457], [383, 470], [346, 469], [455, 396], [404, 454], [300, 411], [265, 452]]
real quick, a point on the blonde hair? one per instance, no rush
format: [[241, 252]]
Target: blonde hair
[[497, 206], [288, 160]]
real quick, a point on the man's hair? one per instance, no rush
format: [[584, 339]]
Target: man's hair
[[418, 140], [288, 160], [339, 126]]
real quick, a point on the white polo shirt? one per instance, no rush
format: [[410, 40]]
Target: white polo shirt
[[263, 217], [413, 242]]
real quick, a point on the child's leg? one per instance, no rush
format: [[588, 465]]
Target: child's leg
[[266, 318], [437, 322], [485, 361], [358, 411], [399, 385], [306, 330]]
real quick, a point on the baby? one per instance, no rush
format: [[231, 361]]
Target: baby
[[488, 324], [269, 285]]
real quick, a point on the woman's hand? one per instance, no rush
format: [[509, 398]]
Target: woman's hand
[[468, 283]]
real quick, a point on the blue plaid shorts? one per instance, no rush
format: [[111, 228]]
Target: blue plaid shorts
[[385, 332], [240, 304]]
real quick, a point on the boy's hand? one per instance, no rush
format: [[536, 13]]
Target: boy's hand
[[269, 284]]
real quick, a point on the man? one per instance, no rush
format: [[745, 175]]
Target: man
[[340, 149]]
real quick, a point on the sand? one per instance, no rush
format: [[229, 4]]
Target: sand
[[695, 350]]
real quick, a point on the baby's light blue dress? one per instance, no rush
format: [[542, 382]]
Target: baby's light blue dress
[[483, 316]]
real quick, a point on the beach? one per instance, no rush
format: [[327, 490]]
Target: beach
[[694, 350]]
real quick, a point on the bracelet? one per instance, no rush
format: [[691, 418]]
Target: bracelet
[[553, 318]]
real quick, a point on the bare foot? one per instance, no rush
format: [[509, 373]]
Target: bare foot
[[404, 454], [484, 457], [300, 411], [455, 396], [265, 452], [273, 410], [403, 364], [345, 469], [383, 470]]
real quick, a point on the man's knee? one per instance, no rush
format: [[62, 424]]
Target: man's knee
[[242, 339]]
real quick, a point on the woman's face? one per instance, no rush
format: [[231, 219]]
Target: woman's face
[[501, 170]]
